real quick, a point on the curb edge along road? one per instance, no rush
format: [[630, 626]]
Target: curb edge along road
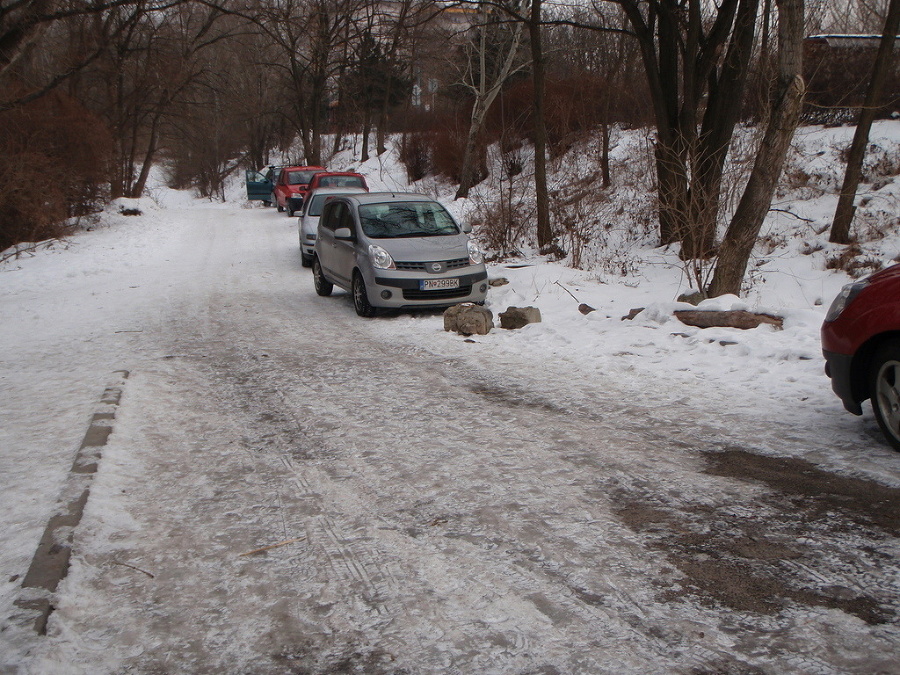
[[50, 563]]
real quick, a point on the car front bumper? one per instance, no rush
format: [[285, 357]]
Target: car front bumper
[[405, 291], [839, 368]]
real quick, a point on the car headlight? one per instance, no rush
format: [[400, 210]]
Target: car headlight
[[380, 258], [845, 297], [476, 257]]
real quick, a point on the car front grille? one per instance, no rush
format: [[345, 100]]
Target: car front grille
[[419, 266], [443, 294]]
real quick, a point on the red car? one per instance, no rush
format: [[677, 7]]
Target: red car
[[861, 344], [338, 179], [292, 186]]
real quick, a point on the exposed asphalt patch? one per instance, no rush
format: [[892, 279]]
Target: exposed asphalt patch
[[50, 563]]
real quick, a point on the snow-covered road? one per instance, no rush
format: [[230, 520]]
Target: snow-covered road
[[442, 506]]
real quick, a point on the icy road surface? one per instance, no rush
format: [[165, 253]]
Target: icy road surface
[[441, 506]]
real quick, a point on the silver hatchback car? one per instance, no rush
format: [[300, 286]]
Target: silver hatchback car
[[396, 250]]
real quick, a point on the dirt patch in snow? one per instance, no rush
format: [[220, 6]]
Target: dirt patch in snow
[[794, 544], [816, 491]]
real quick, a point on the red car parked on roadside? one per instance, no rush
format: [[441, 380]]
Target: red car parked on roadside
[[861, 344], [292, 187], [338, 179]]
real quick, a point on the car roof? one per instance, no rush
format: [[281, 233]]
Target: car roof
[[304, 168], [337, 191], [340, 173], [382, 197]]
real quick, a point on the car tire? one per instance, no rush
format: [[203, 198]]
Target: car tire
[[361, 298], [305, 260], [290, 211], [279, 207], [884, 390], [323, 286]]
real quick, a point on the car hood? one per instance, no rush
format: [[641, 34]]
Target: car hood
[[424, 249]]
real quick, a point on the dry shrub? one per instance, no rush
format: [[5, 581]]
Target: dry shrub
[[447, 147], [851, 261], [54, 165], [504, 225], [415, 153]]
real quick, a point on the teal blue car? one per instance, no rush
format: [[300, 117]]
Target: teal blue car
[[261, 183]]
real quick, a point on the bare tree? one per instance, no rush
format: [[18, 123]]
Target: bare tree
[[491, 56], [24, 23], [542, 195], [306, 35], [787, 101], [696, 58], [843, 215]]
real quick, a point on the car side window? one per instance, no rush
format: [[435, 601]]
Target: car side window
[[333, 215], [346, 218]]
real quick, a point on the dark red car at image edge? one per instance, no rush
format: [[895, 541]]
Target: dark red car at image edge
[[861, 344]]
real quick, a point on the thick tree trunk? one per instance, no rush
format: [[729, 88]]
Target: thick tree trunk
[[843, 215], [743, 230], [726, 93], [671, 190], [544, 231]]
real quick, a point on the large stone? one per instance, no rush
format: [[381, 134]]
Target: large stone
[[517, 317], [468, 319]]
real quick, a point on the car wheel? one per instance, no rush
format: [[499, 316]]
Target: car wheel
[[290, 211], [279, 207], [884, 390], [323, 286], [305, 260], [361, 298]]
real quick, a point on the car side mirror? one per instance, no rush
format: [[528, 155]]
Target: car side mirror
[[344, 234]]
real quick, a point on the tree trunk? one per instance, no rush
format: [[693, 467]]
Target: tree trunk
[[467, 172], [366, 130], [544, 232], [843, 215], [671, 190], [138, 188], [604, 154], [383, 119], [734, 254], [726, 92]]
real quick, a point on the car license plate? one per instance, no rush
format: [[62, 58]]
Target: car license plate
[[438, 284]]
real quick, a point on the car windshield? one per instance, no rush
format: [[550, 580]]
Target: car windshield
[[300, 177], [341, 181], [406, 219]]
